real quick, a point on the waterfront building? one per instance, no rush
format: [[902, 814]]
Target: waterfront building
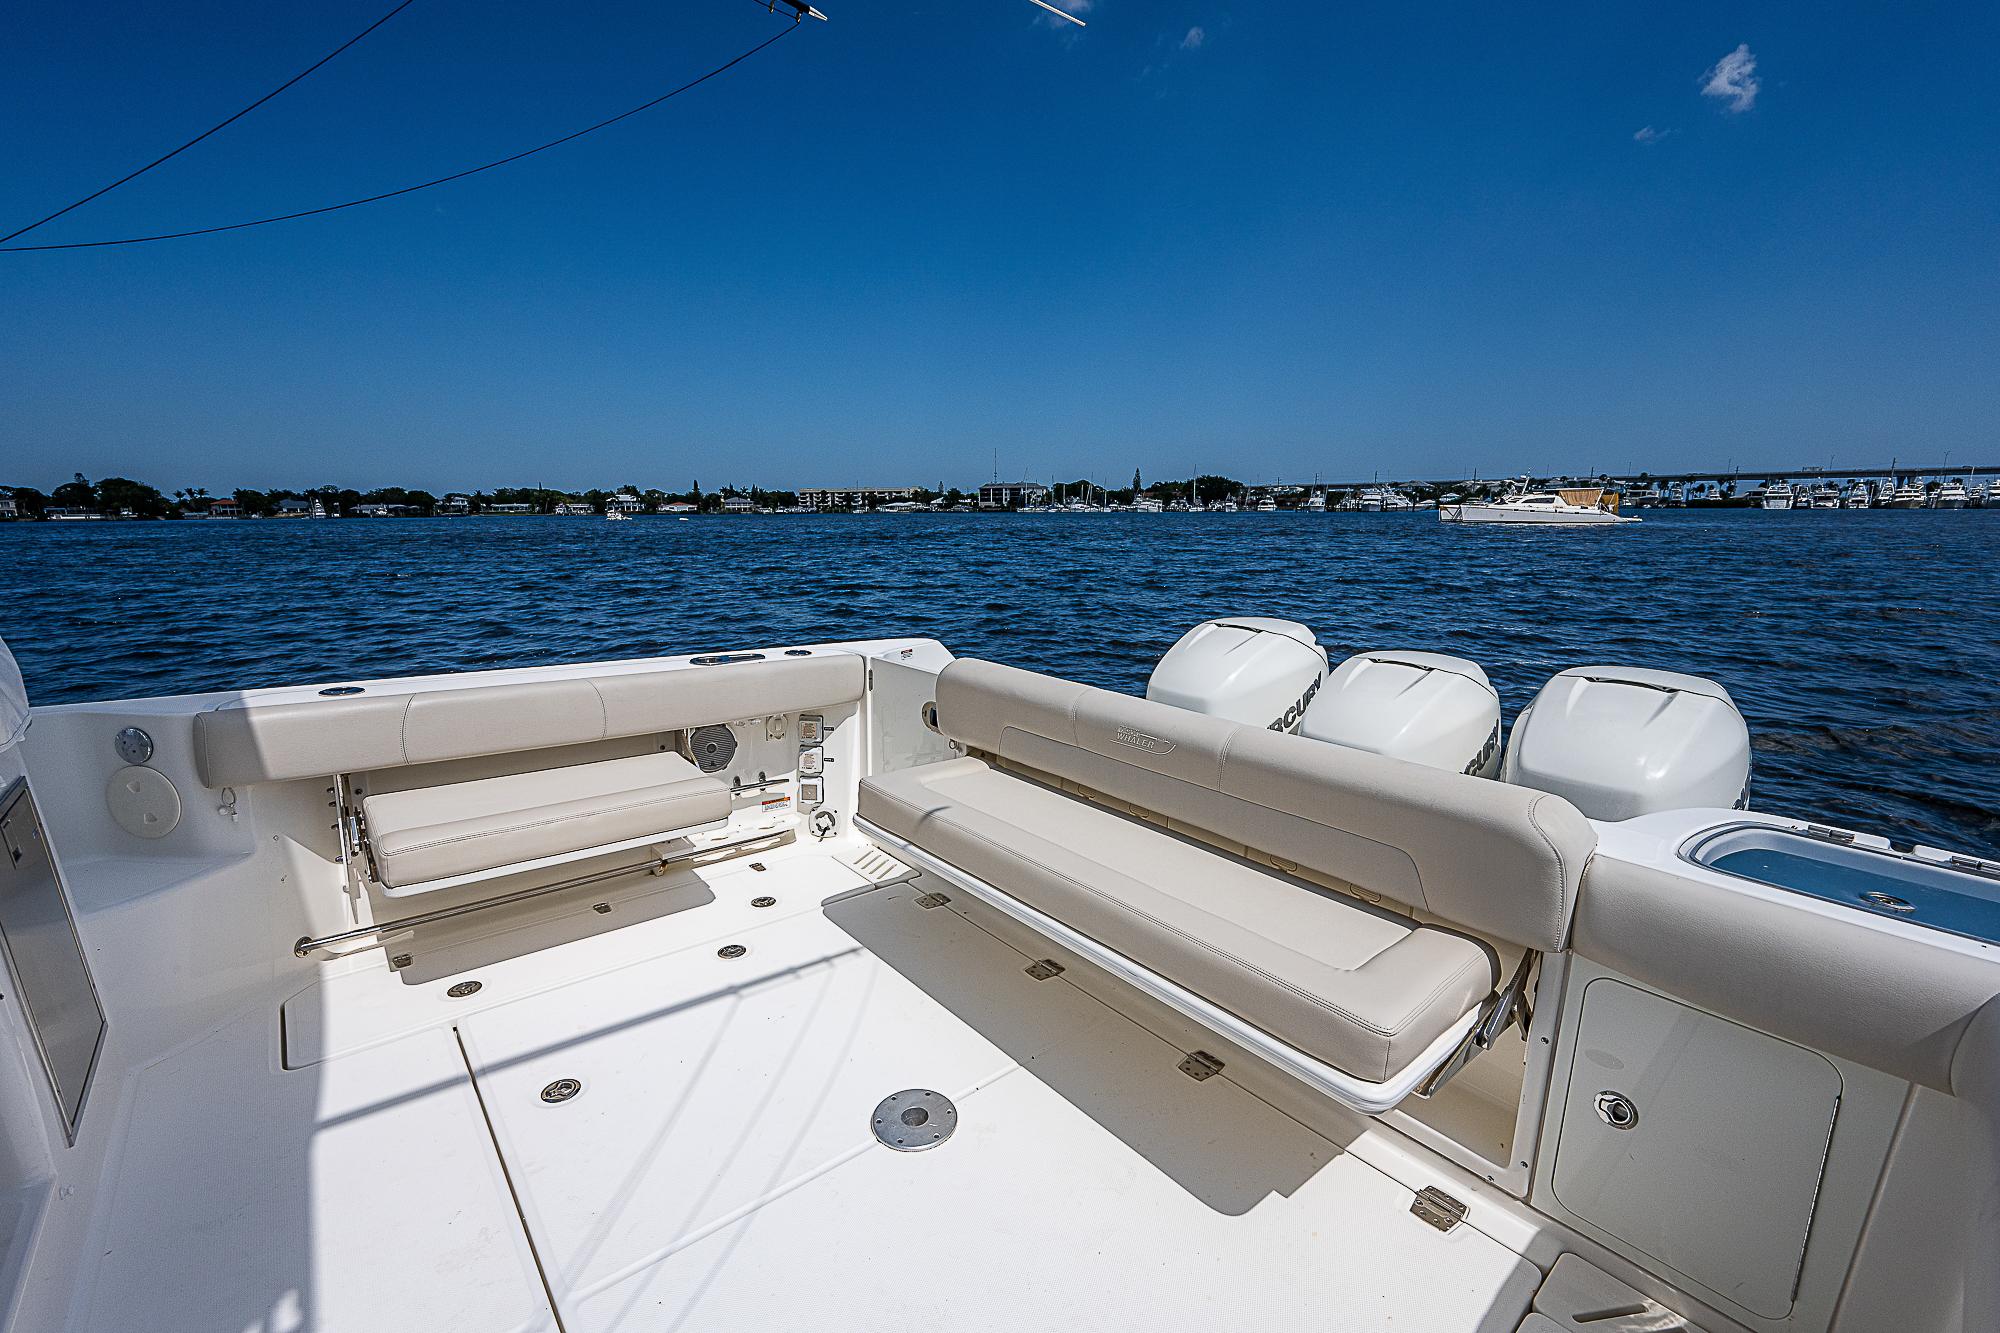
[[576, 509], [624, 503], [675, 507], [507, 509], [1008, 494], [455, 505], [224, 509], [293, 509], [855, 497], [738, 504], [8, 506]]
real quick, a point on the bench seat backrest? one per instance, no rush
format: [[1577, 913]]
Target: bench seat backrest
[[244, 743], [1498, 860]]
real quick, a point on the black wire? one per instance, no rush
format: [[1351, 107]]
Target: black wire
[[211, 129], [412, 189]]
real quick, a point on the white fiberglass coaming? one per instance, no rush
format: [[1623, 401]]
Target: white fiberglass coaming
[[271, 1070]]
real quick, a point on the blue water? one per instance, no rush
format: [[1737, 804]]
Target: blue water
[[1864, 646]]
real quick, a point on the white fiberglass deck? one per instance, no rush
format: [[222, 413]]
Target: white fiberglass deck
[[717, 1170]]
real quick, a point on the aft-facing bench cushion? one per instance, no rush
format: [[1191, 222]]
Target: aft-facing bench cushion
[[432, 833], [1362, 989]]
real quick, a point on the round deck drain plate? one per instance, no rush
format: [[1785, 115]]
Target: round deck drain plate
[[1888, 902], [731, 951], [914, 1119], [765, 901], [463, 989], [561, 1090]]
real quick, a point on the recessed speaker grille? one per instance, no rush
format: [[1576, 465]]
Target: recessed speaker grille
[[711, 748]]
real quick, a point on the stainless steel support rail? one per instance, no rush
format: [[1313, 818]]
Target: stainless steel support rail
[[308, 944]]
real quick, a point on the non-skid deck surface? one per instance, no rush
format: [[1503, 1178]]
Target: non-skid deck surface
[[718, 1170]]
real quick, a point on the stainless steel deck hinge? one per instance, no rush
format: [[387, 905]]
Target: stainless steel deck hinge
[[1201, 1066], [930, 900], [1434, 1206], [1044, 969]]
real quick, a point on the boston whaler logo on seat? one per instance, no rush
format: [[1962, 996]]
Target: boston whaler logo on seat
[[1139, 740]]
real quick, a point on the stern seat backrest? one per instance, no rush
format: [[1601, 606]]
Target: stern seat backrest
[[244, 743], [1498, 860]]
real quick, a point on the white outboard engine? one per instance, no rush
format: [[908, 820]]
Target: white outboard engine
[[1245, 668], [1426, 708], [1624, 741]]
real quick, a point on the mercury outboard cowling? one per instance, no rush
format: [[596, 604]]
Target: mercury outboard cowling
[[1425, 708], [1249, 669], [1619, 742]]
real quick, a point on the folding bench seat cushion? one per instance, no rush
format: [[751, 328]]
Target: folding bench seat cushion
[[1362, 989], [465, 828], [1352, 986]]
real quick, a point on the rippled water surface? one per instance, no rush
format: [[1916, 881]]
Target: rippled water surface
[[1863, 646]]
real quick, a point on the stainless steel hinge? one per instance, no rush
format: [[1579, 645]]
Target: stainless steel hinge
[[1044, 969], [932, 900], [1201, 1066], [1434, 1206]]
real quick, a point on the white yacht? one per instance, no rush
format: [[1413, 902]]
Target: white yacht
[[1370, 501], [1577, 506], [1857, 496], [1395, 502], [1905, 495], [1826, 495], [856, 986], [1316, 502], [1951, 494], [1777, 495], [1267, 504]]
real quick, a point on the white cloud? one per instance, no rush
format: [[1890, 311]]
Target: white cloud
[[1734, 79], [1649, 135], [1195, 37]]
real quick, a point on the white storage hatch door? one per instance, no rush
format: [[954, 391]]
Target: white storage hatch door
[[1696, 1141]]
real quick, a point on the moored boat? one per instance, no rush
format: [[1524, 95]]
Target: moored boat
[[1577, 506]]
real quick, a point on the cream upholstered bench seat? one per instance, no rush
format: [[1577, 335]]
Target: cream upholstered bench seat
[[1356, 998], [1361, 988], [429, 837]]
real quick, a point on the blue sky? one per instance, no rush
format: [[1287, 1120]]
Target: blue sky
[[1272, 240]]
